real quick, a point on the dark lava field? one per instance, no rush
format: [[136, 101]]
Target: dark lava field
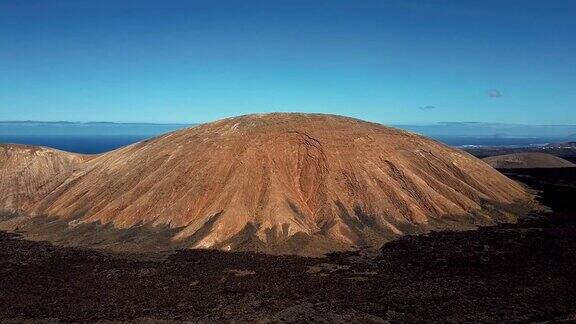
[[523, 272]]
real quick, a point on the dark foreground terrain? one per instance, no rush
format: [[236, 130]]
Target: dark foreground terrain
[[523, 272]]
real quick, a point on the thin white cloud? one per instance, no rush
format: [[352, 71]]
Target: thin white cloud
[[427, 107], [494, 93]]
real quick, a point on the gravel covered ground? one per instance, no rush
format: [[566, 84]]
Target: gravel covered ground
[[521, 272]]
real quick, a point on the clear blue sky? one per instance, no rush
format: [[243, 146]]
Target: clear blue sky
[[194, 61]]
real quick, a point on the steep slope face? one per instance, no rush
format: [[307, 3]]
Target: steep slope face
[[28, 173], [528, 160], [285, 183]]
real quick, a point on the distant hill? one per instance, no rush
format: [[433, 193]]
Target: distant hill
[[527, 160], [31, 172], [565, 150]]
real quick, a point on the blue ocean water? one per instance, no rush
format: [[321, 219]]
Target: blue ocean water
[[92, 144], [86, 144], [87, 138]]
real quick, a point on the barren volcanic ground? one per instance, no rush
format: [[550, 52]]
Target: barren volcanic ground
[[520, 272], [29, 173], [279, 183]]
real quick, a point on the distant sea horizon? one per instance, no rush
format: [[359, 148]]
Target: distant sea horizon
[[95, 144], [83, 144], [99, 137]]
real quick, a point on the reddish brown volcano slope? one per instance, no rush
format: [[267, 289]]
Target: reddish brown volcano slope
[[28, 173], [294, 183]]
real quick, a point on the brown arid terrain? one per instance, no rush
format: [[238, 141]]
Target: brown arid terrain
[[529, 160], [29, 173], [509, 273], [278, 183]]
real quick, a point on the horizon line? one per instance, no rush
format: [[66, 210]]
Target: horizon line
[[197, 123]]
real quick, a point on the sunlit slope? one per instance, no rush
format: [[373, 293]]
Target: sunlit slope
[[294, 183]]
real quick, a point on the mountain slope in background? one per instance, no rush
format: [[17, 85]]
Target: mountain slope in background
[[528, 160], [29, 173], [279, 183]]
